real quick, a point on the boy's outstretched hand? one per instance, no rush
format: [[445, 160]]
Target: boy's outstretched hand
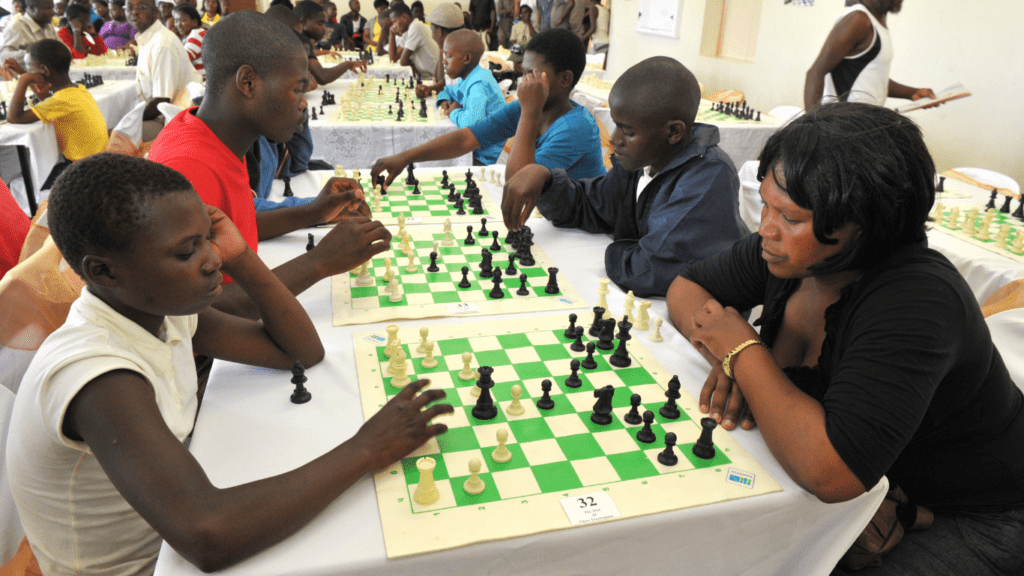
[[393, 165], [225, 238], [521, 193], [340, 198], [402, 425], [353, 241]]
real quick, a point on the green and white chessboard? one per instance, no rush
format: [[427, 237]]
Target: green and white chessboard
[[1011, 245], [431, 205], [558, 454], [437, 294], [378, 113], [709, 115]]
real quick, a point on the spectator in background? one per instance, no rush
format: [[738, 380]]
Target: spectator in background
[[189, 24], [211, 12], [560, 12], [102, 11], [377, 32], [352, 25], [27, 30], [600, 18], [485, 21], [14, 226], [334, 36], [476, 95], [445, 18], [117, 31], [77, 34], [522, 30], [419, 50], [417, 11], [17, 11], [506, 16]]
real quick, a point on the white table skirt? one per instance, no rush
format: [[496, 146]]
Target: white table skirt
[[248, 430]]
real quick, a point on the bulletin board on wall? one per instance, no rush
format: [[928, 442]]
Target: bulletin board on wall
[[659, 17]]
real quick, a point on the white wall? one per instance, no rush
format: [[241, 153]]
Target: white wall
[[937, 43]]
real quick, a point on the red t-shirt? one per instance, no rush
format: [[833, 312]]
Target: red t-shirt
[[96, 47], [189, 146], [14, 225]]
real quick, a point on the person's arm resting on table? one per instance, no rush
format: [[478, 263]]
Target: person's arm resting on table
[[445, 147]]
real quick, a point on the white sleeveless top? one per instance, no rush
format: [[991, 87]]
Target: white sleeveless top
[[862, 77]]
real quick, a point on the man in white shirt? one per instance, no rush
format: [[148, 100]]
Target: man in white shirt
[[418, 51], [24, 31], [163, 65]]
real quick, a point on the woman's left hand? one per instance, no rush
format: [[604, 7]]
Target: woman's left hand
[[719, 329]]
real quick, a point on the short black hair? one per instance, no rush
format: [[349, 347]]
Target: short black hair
[[307, 10], [103, 2], [660, 88], [189, 11], [248, 38], [399, 9], [855, 163], [32, 3], [51, 53], [562, 49], [284, 15], [415, 4], [380, 4], [286, 3], [102, 201], [75, 11]]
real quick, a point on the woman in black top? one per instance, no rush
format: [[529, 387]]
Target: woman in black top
[[873, 357]]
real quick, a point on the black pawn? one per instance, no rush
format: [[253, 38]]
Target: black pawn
[[483, 228], [301, 395], [645, 434], [497, 292], [942, 184], [552, 287], [545, 402], [705, 448], [433, 263], [668, 457], [465, 278], [570, 332], [1006, 206], [523, 290], [633, 416], [495, 246], [511, 270], [313, 116], [602, 414], [595, 328], [444, 177], [992, 200], [485, 264], [416, 188], [621, 359], [485, 408], [469, 237], [573, 381], [1019, 212], [287, 186], [578, 345], [310, 244], [461, 210], [589, 363], [671, 410]]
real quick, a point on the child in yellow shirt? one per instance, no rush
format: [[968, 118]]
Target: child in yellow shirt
[[80, 127]]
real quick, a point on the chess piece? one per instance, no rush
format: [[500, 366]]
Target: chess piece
[[364, 278], [595, 328], [496, 292], [939, 212], [516, 407], [511, 270], [602, 414], [501, 453], [495, 246], [429, 361], [954, 217], [483, 228], [396, 291], [627, 305], [602, 292], [656, 335], [705, 448], [570, 332], [467, 373], [447, 241], [552, 286], [389, 348], [523, 290], [422, 348], [578, 345], [300, 395], [465, 283], [589, 362], [469, 238], [643, 318], [621, 359], [287, 186], [433, 263], [605, 338], [389, 274], [474, 485], [309, 244], [426, 492], [633, 416], [670, 409], [545, 402], [411, 267], [400, 380], [645, 434], [485, 408], [668, 457], [573, 380], [485, 264]]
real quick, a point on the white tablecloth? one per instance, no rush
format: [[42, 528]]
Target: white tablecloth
[[358, 145], [109, 73], [115, 99], [248, 430]]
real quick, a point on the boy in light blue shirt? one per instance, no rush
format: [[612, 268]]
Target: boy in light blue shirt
[[476, 95]]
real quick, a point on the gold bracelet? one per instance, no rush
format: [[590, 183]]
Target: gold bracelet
[[726, 362]]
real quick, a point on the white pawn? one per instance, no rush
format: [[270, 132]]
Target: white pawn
[[954, 216], [396, 291], [656, 335], [422, 348], [501, 453], [426, 491], [474, 485], [395, 349], [412, 263], [389, 274], [467, 373], [429, 361], [602, 292], [389, 347], [448, 240], [364, 278], [401, 226], [628, 306], [339, 171], [376, 203], [407, 245], [401, 380], [642, 317], [516, 407]]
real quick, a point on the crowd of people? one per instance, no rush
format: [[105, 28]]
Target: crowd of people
[[870, 358]]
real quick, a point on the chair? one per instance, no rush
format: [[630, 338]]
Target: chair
[[603, 116], [11, 531], [1007, 329], [126, 137], [750, 195]]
